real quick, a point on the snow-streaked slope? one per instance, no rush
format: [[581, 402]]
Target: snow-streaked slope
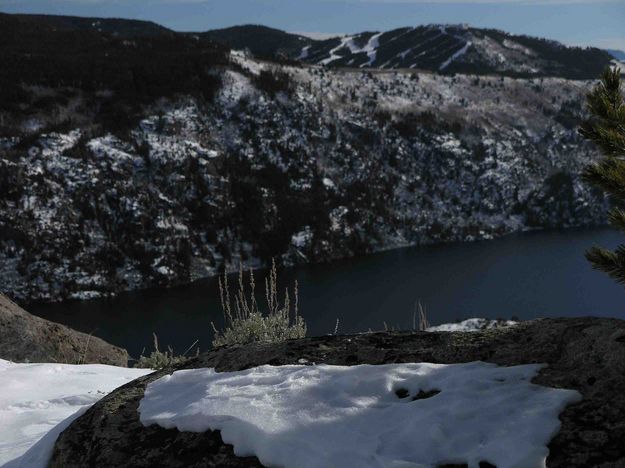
[[367, 416], [424, 47], [371, 161], [456, 48], [38, 400]]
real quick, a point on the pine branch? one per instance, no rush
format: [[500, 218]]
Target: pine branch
[[606, 127], [609, 175], [616, 218], [612, 263]]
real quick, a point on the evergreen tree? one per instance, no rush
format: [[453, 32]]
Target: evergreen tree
[[606, 128]]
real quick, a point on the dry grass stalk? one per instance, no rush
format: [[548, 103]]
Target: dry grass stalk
[[248, 324], [423, 324]]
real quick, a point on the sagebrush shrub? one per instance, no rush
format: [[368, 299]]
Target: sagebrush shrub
[[245, 323], [160, 359]]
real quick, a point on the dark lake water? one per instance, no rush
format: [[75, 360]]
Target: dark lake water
[[528, 275]]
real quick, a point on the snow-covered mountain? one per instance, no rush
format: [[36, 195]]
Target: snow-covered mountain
[[167, 167], [441, 48]]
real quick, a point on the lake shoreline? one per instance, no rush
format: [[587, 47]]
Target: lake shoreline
[[234, 269], [534, 274]]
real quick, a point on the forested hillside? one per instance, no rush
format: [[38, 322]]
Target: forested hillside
[[152, 161]]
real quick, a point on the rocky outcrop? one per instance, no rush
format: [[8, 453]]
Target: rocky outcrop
[[24, 337], [585, 354]]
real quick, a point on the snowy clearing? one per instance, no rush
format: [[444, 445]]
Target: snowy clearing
[[367, 416], [38, 400]]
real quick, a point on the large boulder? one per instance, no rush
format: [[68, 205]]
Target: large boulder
[[26, 338], [585, 354]]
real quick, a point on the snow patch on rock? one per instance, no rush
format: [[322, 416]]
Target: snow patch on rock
[[473, 324], [367, 416]]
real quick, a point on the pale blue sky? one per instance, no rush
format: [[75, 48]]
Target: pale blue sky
[[582, 22]]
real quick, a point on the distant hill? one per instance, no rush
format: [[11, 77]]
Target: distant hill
[[617, 54], [114, 26], [133, 61], [66, 50], [441, 48], [260, 40]]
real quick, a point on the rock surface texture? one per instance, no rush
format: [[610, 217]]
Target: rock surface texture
[[24, 337], [585, 354]]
